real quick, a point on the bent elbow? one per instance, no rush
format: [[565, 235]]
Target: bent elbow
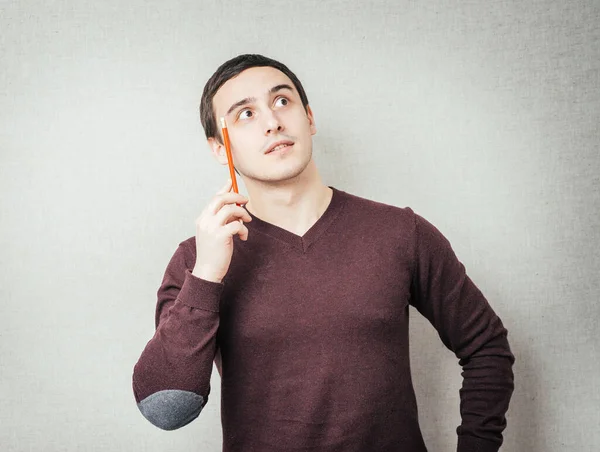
[[172, 408]]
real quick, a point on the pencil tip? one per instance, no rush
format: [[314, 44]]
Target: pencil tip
[[222, 122]]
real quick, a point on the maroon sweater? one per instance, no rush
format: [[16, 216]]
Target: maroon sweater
[[310, 336]]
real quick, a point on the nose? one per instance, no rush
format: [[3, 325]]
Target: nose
[[273, 124]]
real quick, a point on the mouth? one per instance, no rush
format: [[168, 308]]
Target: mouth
[[279, 146]]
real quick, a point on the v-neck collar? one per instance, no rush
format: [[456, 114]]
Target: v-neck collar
[[302, 243]]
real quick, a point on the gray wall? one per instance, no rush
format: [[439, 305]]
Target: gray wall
[[482, 116]]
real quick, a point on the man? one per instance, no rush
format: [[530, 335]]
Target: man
[[301, 294]]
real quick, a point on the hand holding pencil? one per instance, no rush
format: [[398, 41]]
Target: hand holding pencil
[[215, 227], [222, 219]]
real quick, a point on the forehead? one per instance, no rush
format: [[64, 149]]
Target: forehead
[[253, 82]]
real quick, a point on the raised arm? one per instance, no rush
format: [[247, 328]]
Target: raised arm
[[171, 380]]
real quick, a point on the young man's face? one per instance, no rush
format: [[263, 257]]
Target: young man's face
[[261, 107]]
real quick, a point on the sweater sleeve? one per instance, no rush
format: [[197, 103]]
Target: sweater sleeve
[[171, 379], [467, 325]]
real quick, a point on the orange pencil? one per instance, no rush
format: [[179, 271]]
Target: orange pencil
[[229, 156]]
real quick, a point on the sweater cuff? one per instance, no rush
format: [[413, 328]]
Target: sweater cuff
[[199, 293], [467, 443]]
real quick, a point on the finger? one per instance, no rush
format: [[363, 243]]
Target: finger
[[226, 187], [238, 228], [231, 213], [244, 234], [224, 199]]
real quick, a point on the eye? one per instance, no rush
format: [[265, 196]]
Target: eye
[[245, 114], [282, 101]]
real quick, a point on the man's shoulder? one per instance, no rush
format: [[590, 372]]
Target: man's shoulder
[[403, 219], [368, 207], [392, 217], [186, 251], [189, 243]]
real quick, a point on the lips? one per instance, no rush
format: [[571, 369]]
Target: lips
[[279, 145]]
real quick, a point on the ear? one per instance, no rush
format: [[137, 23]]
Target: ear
[[311, 120], [218, 150]]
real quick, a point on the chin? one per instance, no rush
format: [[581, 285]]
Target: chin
[[296, 169]]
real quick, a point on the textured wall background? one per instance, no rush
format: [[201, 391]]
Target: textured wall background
[[482, 116]]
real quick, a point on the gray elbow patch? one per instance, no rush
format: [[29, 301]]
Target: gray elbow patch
[[172, 408]]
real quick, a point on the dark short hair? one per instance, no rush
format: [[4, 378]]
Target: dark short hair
[[227, 71]]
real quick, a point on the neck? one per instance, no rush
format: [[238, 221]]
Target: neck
[[295, 204]]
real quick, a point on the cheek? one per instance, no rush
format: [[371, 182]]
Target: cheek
[[245, 143], [299, 119]]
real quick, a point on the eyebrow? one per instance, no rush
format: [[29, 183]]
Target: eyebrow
[[249, 100]]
